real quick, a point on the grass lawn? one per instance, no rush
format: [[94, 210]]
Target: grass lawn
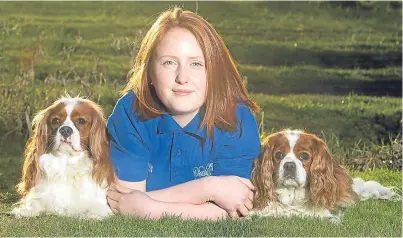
[[363, 219]]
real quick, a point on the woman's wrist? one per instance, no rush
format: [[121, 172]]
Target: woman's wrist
[[142, 206], [209, 188], [214, 211], [155, 210]]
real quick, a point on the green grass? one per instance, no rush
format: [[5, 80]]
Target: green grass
[[384, 176], [361, 220], [350, 118], [368, 218], [283, 34], [330, 81]]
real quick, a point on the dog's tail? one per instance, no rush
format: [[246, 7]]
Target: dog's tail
[[373, 189]]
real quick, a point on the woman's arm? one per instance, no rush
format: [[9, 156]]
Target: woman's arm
[[192, 192], [231, 193], [139, 204]]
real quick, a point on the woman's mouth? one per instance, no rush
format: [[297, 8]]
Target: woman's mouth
[[182, 92]]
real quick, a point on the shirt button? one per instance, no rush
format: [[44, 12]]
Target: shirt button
[[180, 133], [178, 152]]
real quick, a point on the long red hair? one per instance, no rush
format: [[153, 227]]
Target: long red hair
[[225, 86]]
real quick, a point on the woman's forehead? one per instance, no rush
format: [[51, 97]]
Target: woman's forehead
[[178, 41]]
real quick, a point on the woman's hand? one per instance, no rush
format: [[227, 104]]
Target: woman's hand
[[132, 202], [233, 194]]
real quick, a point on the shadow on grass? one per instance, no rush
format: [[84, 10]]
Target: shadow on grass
[[333, 86], [275, 55]]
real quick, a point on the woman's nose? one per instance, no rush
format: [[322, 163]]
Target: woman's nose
[[183, 76]]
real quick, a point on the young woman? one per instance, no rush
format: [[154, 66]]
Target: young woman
[[183, 136]]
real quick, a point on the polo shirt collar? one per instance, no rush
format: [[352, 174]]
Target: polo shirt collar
[[167, 124]]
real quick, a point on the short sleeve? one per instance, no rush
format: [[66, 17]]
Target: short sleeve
[[238, 149], [128, 149]]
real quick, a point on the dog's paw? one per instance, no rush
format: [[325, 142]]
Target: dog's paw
[[99, 213], [20, 212]]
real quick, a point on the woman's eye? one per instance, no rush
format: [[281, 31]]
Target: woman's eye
[[279, 155], [304, 156], [196, 64], [168, 62], [81, 121], [55, 121]]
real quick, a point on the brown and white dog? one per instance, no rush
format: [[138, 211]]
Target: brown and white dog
[[296, 175], [66, 162]]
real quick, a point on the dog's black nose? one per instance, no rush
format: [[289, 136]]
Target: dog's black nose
[[289, 166], [66, 131]]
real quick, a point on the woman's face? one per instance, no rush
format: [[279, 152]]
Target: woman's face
[[178, 74]]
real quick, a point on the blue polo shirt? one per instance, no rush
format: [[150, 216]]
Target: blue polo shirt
[[165, 154]]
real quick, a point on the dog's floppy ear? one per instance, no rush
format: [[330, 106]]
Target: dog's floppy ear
[[262, 175], [99, 148], [331, 184], [34, 148]]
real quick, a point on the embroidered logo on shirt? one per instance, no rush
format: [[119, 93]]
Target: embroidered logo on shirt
[[203, 171], [150, 168]]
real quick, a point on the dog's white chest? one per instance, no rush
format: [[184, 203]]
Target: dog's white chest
[[293, 201], [66, 188], [292, 196]]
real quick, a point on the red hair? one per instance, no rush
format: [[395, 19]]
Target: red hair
[[225, 87]]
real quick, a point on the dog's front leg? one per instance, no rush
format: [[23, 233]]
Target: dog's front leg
[[28, 207], [98, 211]]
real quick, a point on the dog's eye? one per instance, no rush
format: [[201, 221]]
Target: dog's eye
[[304, 156], [279, 155], [80, 121], [55, 121]]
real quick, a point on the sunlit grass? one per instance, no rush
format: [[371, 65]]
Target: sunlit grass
[[368, 218]]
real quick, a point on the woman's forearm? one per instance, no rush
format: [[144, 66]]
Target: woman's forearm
[[193, 192]]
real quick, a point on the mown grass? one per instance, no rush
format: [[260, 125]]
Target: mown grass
[[361, 220], [368, 218]]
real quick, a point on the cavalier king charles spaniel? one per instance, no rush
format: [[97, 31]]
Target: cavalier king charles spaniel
[[66, 162], [296, 175]]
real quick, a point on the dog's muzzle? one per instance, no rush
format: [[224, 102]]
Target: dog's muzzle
[[66, 131], [289, 169]]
